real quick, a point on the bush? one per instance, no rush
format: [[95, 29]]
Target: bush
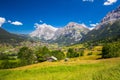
[[58, 54], [72, 53], [42, 54], [81, 52], [26, 56], [90, 53], [111, 50], [3, 56], [6, 64]]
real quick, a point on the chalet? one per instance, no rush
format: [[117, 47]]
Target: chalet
[[51, 59]]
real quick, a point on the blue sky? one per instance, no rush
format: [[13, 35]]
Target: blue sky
[[19, 16]]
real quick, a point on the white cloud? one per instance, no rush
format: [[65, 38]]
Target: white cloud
[[9, 21], [2, 21], [41, 21], [17, 23], [36, 25], [109, 2], [92, 26], [88, 0]]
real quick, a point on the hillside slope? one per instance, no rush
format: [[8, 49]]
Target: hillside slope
[[109, 31], [9, 37], [108, 28]]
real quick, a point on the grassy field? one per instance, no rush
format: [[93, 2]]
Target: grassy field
[[74, 69]]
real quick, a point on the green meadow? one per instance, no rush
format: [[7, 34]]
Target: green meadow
[[74, 69]]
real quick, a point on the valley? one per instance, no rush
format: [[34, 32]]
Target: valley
[[73, 51]]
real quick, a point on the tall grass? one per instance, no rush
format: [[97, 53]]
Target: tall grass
[[99, 70], [108, 74]]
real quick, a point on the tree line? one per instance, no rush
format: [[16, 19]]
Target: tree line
[[27, 56]]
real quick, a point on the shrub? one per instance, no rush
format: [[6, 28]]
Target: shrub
[[58, 54], [111, 50], [3, 56], [26, 56], [90, 53], [6, 64], [42, 54], [72, 53]]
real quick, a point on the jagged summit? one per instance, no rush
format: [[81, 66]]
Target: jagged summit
[[43, 31], [70, 33], [113, 15], [74, 24], [109, 28], [44, 25]]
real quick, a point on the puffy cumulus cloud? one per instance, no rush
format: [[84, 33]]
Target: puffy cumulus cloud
[[2, 21], [109, 2], [88, 0], [17, 23]]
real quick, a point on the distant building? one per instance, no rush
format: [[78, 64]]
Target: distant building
[[51, 59]]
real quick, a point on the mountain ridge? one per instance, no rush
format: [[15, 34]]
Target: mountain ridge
[[109, 27], [6, 37], [72, 31]]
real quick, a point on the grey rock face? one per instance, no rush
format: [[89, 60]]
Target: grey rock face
[[44, 32], [111, 17], [71, 33]]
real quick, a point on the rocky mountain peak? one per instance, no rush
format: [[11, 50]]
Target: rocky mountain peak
[[112, 16], [75, 25], [43, 31], [44, 26], [71, 33], [71, 24]]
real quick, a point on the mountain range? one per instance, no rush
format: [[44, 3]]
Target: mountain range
[[108, 28], [74, 32], [70, 34]]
